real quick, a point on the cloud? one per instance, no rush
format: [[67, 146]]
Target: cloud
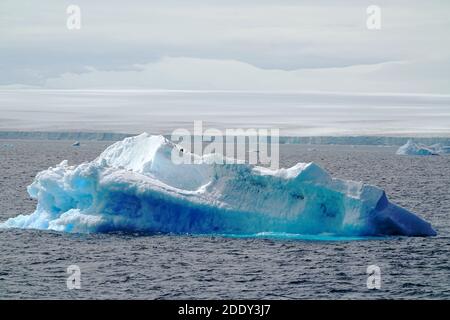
[[268, 43], [181, 73]]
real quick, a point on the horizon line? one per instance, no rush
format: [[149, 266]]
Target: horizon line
[[312, 92]]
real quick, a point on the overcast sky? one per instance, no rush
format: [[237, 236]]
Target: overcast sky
[[227, 45]]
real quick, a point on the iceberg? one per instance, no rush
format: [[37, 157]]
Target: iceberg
[[418, 149], [134, 186], [414, 149]]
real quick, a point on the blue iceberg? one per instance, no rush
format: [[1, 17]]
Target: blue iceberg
[[134, 186], [417, 149]]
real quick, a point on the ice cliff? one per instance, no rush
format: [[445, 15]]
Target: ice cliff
[[133, 186]]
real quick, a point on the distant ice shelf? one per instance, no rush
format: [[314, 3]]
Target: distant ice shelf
[[326, 140], [134, 186]]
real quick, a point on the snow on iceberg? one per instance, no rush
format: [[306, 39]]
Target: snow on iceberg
[[415, 149], [133, 186]]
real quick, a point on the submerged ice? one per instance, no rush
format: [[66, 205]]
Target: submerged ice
[[133, 186]]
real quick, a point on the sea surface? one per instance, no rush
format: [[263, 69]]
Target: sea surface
[[33, 264]]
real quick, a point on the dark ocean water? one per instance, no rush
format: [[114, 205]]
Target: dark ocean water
[[33, 263]]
